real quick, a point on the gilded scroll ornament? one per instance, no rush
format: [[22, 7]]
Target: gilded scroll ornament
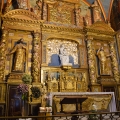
[[20, 57]]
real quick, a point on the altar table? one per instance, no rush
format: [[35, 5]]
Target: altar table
[[112, 104], [73, 100]]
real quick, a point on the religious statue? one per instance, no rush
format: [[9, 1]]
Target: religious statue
[[9, 6], [19, 52], [64, 57], [94, 107], [96, 12], [103, 59], [38, 8], [79, 17], [83, 77], [23, 4]]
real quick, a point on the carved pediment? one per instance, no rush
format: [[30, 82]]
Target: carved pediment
[[53, 1], [99, 25], [21, 14]]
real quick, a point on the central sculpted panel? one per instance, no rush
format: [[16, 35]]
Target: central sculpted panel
[[62, 52]]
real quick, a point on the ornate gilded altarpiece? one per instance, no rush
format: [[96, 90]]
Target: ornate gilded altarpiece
[[61, 47]]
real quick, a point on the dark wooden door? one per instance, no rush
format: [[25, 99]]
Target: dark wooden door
[[14, 101]]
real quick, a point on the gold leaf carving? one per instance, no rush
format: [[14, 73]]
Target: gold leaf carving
[[61, 13]]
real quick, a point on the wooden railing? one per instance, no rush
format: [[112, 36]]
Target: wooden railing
[[83, 116]]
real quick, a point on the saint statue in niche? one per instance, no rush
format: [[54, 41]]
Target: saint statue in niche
[[103, 60], [19, 56], [64, 57]]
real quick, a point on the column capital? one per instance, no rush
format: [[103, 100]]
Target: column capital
[[77, 6], [111, 43], [89, 38]]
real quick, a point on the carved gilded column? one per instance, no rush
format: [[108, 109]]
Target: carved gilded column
[[45, 14], [91, 61], [114, 62], [36, 58], [77, 14], [3, 47]]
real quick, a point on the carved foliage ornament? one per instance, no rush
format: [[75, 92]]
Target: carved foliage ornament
[[61, 12]]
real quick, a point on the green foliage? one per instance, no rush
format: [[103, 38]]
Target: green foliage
[[24, 96], [26, 78], [35, 92], [93, 116]]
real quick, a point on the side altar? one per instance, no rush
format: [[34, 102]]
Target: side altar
[[104, 101]]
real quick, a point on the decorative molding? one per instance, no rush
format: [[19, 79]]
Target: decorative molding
[[15, 23], [70, 1], [100, 28], [20, 12], [62, 29]]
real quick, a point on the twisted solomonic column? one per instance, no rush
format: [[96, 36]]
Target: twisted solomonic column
[[114, 62], [36, 58], [91, 61], [3, 49]]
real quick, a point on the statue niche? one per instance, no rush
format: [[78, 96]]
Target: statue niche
[[102, 59], [62, 53], [51, 82], [19, 56]]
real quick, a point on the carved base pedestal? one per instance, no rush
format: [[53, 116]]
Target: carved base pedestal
[[15, 78], [106, 80], [66, 66]]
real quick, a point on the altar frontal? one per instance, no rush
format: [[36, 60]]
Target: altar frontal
[[82, 102]]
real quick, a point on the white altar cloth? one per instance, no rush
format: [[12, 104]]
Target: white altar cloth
[[112, 105]]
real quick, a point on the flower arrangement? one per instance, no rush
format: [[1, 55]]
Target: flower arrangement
[[35, 92], [26, 78], [23, 89]]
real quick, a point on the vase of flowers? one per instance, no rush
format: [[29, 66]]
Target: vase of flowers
[[23, 89]]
